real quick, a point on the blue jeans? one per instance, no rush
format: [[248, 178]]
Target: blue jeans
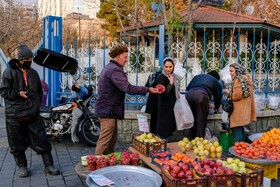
[[238, 132]]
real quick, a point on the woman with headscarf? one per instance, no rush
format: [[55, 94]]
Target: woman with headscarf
[[241, 93], [166, 123]]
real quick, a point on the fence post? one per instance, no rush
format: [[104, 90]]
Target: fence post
[[267, 62], [161, 44]]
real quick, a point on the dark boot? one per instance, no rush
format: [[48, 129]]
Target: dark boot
[[23, 172], [48, 161]]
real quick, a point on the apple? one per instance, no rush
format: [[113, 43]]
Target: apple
[[197, 166], [213, 155], [212, 164], [185, 167], [241, 164], [229, 166], [176, 169], [206, 166], [229, 171], [229, 160], [212, 149], [219, 155], [224, 163], [216, 144], [166, 167], [174, 175], [242, 170], [173, 164], [200, 170], [219, 164], [219, 149], [236, 161], [208, 171], [205, 162], [181, 174], [235, 168], [220, 171], [180, 164], [193, 163], [188, 174]]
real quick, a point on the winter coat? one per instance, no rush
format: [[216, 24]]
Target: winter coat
[[210, 84], [244, 111], [12, 83], [152, 101], [166, 123], [112, 86]]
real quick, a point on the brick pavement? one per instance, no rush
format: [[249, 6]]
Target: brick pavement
[[65, 154]]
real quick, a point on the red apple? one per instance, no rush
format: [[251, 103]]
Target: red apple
[[173, 164], [220, 171], [176, 169], [212, 164], [188, 174], [193, 163], [166, 167], [229, 171], [181, 174], [208, 171], [206, 166], [219, 164], [185, 167], [174, 175], [181, 164], [196, 167], [200, 170], [205, 161]]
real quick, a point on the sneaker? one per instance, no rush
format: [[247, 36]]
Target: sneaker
[[52, 170], [23, 172]]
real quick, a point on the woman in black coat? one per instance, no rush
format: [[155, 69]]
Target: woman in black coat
[[166, 123]]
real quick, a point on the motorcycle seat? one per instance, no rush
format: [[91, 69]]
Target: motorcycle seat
[[46, 109]]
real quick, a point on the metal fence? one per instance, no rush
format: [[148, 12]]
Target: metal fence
[[259, 57]]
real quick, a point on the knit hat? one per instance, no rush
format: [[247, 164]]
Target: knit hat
[[214, 74], [117, 50], [24, 52]]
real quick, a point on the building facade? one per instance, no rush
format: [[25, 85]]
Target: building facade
[[62, 8]]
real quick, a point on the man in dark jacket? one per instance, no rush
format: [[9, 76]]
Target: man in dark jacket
[[200, 90], [22, 90], [109, 107]]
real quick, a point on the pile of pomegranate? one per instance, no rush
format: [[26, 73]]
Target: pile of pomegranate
[[130, 159], [91, 160]]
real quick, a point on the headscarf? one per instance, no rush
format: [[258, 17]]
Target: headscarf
[[174, 77], [239, 72]]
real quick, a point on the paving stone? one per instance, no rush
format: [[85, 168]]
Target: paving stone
[[56, 183]]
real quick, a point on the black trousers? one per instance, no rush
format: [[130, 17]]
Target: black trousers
[[26, 134], [198, 100]]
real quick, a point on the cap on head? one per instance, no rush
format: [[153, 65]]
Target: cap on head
[[24, 52], [117, 50], [214, 74]]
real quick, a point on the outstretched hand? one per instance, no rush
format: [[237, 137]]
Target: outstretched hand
[[154, 90]]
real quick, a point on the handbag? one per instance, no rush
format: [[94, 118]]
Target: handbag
[[228, 105]]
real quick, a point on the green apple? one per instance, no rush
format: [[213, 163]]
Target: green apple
[[224, 163], [235, 168], [229, 160], [242, 170], [229, 166], [150, 136], [241, 164], [236, 161]]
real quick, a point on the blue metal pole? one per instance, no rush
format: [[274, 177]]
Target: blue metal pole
[[186, 59], [104, 48], [50, 28], [204, 51], [137, 61], [267, 62], [168, 43], [161, 44], [253, 62], [238, 49], [67, 86], [155, 39], [89, 62]]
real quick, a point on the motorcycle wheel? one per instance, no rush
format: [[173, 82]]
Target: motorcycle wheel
[[90, 134]]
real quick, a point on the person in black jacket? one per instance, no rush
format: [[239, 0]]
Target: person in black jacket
[[166, 123], [22, 91], [200, 90]]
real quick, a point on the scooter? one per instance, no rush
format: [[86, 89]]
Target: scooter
[[75, 117]]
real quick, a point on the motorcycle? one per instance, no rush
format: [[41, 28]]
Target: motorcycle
[[75, 118]]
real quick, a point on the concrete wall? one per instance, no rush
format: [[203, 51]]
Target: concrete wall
[[265, 119]]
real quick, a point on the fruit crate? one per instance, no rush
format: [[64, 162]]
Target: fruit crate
[[227, 140], [197, 181], [146, 147], [269, 171], [154, 161], [160, 154], [252, 178]]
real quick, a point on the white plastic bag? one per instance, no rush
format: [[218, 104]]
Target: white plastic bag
[[196, 69], [259, 101], [179, 71], [207, 134], [225, 117], [225, 75], [273, 101], [183, 114]]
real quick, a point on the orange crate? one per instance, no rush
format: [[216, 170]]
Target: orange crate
[[252, 178], [146, 147], [269, 171], [169, 181]]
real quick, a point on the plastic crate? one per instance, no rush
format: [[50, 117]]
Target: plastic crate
[[146, 147], [197, 181], [154, 161], [269, 171], [253, 177], [156, 154], [227, 140]]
